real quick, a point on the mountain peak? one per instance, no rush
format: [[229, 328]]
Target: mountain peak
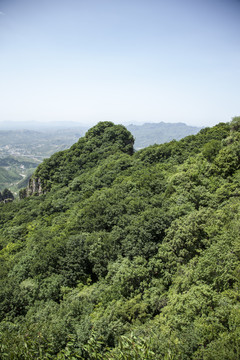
[[101, 141]]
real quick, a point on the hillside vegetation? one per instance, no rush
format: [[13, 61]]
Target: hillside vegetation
[[126, 255], [22, 150]]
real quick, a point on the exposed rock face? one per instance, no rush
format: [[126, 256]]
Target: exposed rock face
[[7, 200], [34, 187]]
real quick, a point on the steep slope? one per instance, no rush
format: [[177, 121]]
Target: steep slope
[[126, 255]]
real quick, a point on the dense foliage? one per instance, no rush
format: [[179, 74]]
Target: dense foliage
[[31, 147], [126, 255], [6, 195]]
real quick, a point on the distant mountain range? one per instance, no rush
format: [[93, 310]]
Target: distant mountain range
[[159, 133], [39, 126]]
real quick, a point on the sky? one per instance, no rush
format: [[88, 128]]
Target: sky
[[126, 61]]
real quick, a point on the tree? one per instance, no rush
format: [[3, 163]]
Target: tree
[[7, 194]]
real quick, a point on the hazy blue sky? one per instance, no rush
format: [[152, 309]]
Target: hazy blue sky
[[120, 60]]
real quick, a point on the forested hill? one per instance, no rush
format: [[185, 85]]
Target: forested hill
[[116, 254], [21, 151]]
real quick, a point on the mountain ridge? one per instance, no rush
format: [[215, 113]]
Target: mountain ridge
[[41, 143], [163, 132]]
